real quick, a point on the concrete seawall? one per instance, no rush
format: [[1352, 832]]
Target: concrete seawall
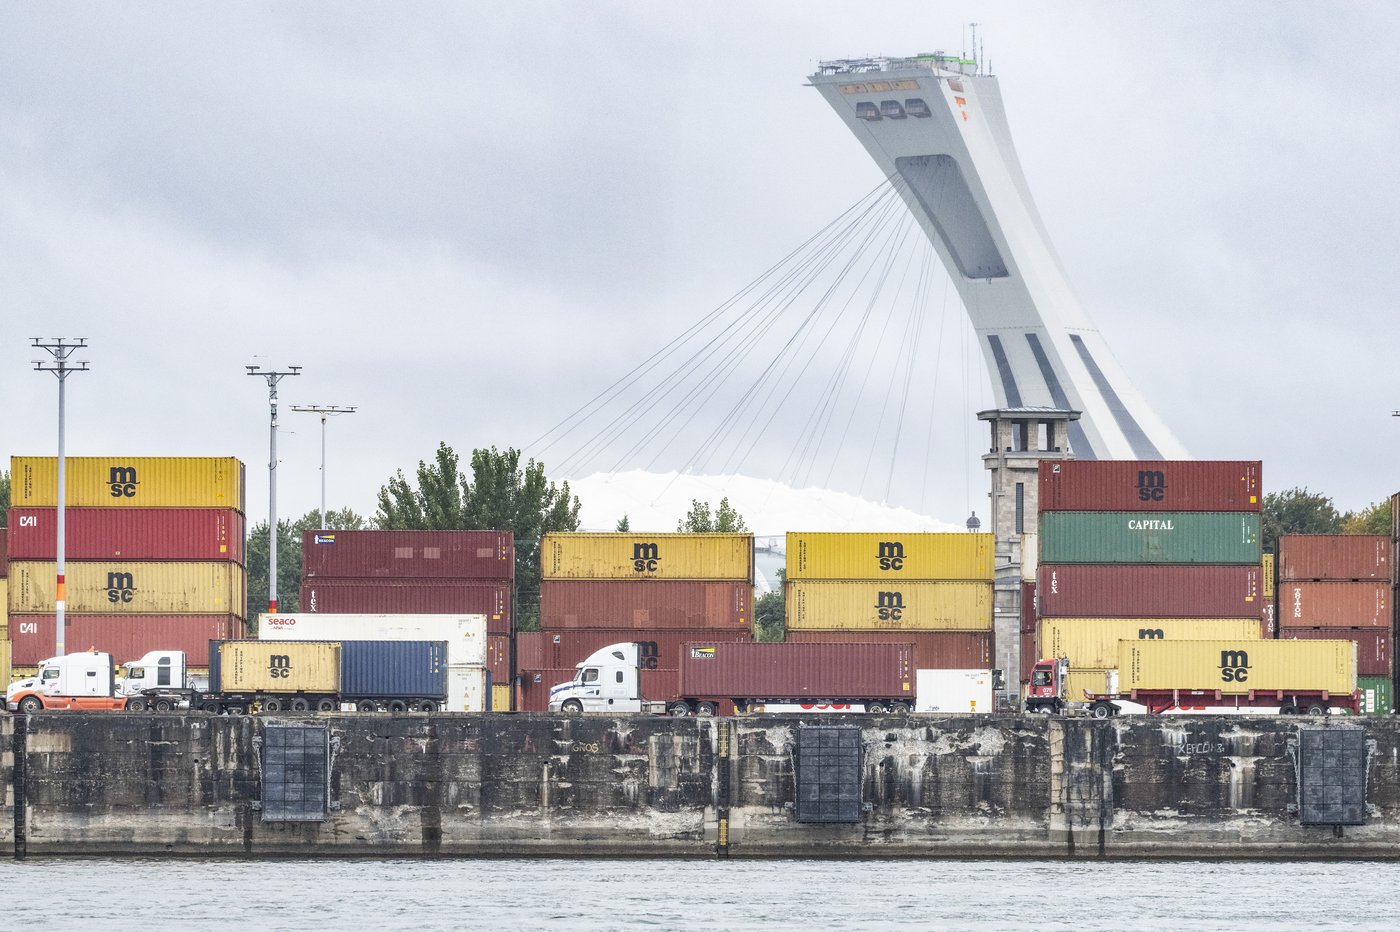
[[511, 785]]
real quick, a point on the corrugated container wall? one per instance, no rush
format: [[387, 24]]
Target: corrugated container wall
[[657, 647], [797, 671], [1334, 557], [1377, 695], [131, 588], [498, 658], [1081, 681], [5, 663], [933, 650], [408, 554], [125, 637], [4, 552], [890, 556], [275, 666], [390, 669], [1267, 565], [1150, 485], [1027, 608], [129, 482], [536, 683], [1092, 643], [1373, 645], [1237, 667], [465, 635], [569, 603], [210, 534], [1030, 555], [417, 597], [893, 606], [4, 608], [1334, 605], [647, 556], [1164, 537], [1128, 591], [502, 695]]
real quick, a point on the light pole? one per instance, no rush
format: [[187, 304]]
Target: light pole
[[325, 411], [273, 377], [60, 349]]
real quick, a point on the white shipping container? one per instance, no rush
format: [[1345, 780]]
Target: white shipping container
[[953, 691], [1030, 555], [465, 634], [466, 689]]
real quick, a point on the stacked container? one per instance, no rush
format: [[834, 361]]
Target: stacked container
[[154, 555], [658, 590], [1145, 549], [933, 591], [1334, 587]]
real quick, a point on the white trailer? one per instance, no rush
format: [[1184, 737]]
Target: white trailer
[[953, 691]]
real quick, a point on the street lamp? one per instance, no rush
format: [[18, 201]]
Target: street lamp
[[273, 377], [325, 411], [60, 349]]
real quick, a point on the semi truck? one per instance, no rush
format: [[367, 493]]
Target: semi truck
[[83, 682], [1287, 677], [717, 676]]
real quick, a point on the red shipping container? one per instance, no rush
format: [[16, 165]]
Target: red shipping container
[[1028, 657], [716, 669], [408, 554], [660, 648], [1087, 590], [933, 650], [1028, 608], [1269, 622], [1150, 485], [530, 650], [125, 637], [194, 534], [1373, 655], [645, 604], [426, 597], [1334, 605], [498, 657], [533, 695], [1334, 557]]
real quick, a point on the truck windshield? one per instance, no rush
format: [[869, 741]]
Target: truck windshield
[[589, 676], [1040, 678]]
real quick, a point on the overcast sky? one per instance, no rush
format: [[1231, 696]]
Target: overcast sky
[[468, 218]]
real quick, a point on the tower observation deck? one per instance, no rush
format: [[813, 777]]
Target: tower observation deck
[[937, 127]]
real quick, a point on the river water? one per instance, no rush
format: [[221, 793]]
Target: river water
[[89, 894]]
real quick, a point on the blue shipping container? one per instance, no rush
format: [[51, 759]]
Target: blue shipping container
[[389, 669]]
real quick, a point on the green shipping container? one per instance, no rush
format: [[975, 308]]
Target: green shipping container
[[1195, 537], [1377, 697]]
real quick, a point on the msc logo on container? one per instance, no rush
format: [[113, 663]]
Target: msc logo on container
[[648, 655], [1234, 666], [279, 666], [122, 481], [1151, 634], [889, 606], [891, 555], [120, 587], [646, 558], [1152, 485]]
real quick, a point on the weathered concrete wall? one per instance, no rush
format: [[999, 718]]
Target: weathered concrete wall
[[637, 785]]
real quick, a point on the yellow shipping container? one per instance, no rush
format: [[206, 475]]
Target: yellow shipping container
[[5, 661], [918, 556], [1092, 643], [1030, 555], [855, 605], [4, 606], [647, 556], [131, 588], [500, 698], [129, 481], [279, 666], [1237, 666], [1266, 574], [1095, 681]]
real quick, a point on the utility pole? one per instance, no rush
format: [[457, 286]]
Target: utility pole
[[60, 348], [273, 377], [325, 411]]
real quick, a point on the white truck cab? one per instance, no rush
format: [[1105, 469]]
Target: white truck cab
[[158, 669], [83, 681], [609, 680]]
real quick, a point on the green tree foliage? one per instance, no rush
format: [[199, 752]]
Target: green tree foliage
[[288, 558], [1298, 511], [4, 494], [623, 524], [1373, 519], [699, 520], [499, 495], [770, 614]]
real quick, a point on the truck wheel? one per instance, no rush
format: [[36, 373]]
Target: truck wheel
[[31, 704], [1101, 710], [325, 704], [1316, 709], [899, 708], [706, 709], [299, 704], [136, 704], [398, 705], [211, 706], [1288, 710], [572, 707], [366, 705], [164, 705], [876, 708], [272, 705], [679, 709], [427, 705]]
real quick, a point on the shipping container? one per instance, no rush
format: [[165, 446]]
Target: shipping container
[[1269, 577], [1028, 656], [647, 556], [795, 671], [1238, 667], [393, 669], [498, 658], [125, 637], [889, 606], [502, 697], [408, 555], [658, 647], [1161, 537], [468, 689], [416, 597], [531, 648], [536, 683], [129, 481], [1373, 646], [4, 552], [210, 534], [610, 603], [1093, 642], [1377, 695], [1334, 557], [1028, 608], [1150, 485], [6, 671], [1135, 591], [466, 635], [1030, 555], [933, 650], [1269, 616], [1079, 681], [898, 556], [146, 588], [274, 667], [1334, 605]]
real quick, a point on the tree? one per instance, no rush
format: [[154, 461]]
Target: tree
[[4, 493], [1373, 519], [1298, 511], [289, 561], [770, 613], [623, 524], [500, 495], [699, 520]]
